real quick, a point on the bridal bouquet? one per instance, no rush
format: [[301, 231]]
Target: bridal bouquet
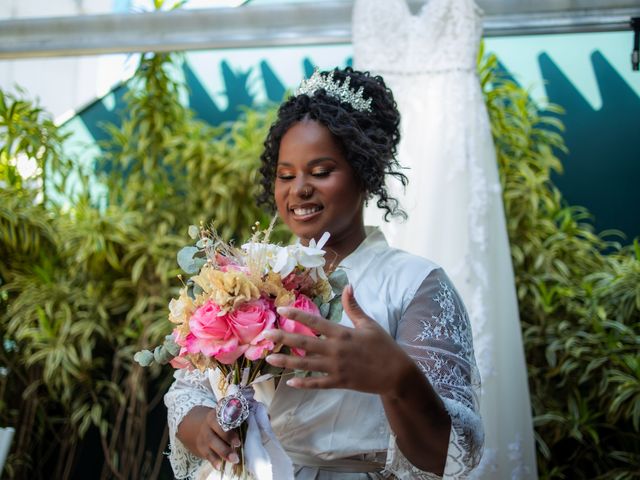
[[227, 303]]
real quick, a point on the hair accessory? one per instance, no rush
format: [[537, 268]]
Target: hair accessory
[[335, 89]]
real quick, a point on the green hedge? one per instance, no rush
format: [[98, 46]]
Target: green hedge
[[84, 286], [579, 295]]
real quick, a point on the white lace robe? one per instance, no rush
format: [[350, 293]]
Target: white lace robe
[[344, 435]]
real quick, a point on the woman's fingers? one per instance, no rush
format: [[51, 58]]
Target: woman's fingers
[[231, 437], [222, 449], [353, 309], [335, 354], [315, 322], [214, 460], [317, 382], [295, 340], [220, 443], [292, 362]]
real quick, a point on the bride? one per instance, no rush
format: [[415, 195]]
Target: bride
[[397, 394]]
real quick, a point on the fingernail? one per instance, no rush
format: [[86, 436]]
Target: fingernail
[[291, 382], [271, 358], [233, 458], [217, 464], [236, 443], [283, 310], [270, 334]]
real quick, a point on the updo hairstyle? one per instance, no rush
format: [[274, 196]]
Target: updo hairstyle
[[369, 139]]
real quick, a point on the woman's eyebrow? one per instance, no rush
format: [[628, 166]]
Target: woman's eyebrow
[[315, 161], [310, 163]]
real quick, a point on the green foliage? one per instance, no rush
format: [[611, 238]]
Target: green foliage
[[83, 288], [26, 132], [579, 297]]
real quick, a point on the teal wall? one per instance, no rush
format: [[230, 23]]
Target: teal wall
[[587, 74], [590, 76]]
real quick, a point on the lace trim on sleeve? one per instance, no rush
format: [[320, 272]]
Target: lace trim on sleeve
[[435, 332], [401, 468], [464, 424], [190, 389]]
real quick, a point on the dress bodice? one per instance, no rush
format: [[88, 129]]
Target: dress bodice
[[444, 35]]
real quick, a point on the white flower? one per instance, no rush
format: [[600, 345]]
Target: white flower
[[176, 307], [285, 261], [260, 256], [269, 250], [310, 257]]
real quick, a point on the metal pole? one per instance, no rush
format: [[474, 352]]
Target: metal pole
[[326, 22]]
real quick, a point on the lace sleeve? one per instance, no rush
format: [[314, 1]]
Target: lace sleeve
[[434, 330], [190, 389]]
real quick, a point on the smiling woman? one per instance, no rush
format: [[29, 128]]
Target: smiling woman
[[316, 189], [395, 394], [323, 148]]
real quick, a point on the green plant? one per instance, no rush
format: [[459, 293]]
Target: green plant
[[85, 286], [579, 295]]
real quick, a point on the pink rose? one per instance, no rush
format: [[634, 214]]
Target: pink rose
[[305, 304], [232, 267], [226, 264], [222, 260], [180, 361], [298, 281], [211, 334], [248, 323], [179, 339]]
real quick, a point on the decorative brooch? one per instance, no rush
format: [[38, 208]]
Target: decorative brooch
[[232, 411]]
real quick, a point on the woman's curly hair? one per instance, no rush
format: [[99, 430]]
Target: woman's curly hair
[[370, 139]]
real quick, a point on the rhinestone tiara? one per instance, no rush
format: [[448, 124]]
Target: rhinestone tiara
[[334, 88]]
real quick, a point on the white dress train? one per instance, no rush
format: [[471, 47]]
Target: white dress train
[[456, 215]]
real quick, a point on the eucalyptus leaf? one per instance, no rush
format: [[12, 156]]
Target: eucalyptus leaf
[[144, 358], [335, 310], [161, 355], [338, 280], [198, 263], [171, 346], [193, 231], [204, 243], [324, 310], [185, 260]]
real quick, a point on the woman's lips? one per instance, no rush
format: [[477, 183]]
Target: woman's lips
[[306, 212]]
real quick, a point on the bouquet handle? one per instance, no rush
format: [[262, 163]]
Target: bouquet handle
[[264, 457]]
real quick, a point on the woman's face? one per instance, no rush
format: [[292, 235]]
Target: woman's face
[[316, 190]]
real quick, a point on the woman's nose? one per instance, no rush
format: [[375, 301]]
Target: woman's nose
[[303, 190]]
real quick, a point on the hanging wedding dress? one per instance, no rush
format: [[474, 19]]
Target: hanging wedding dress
[[454, 203]]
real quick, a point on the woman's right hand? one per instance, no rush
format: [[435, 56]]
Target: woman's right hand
[[200, 432]]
